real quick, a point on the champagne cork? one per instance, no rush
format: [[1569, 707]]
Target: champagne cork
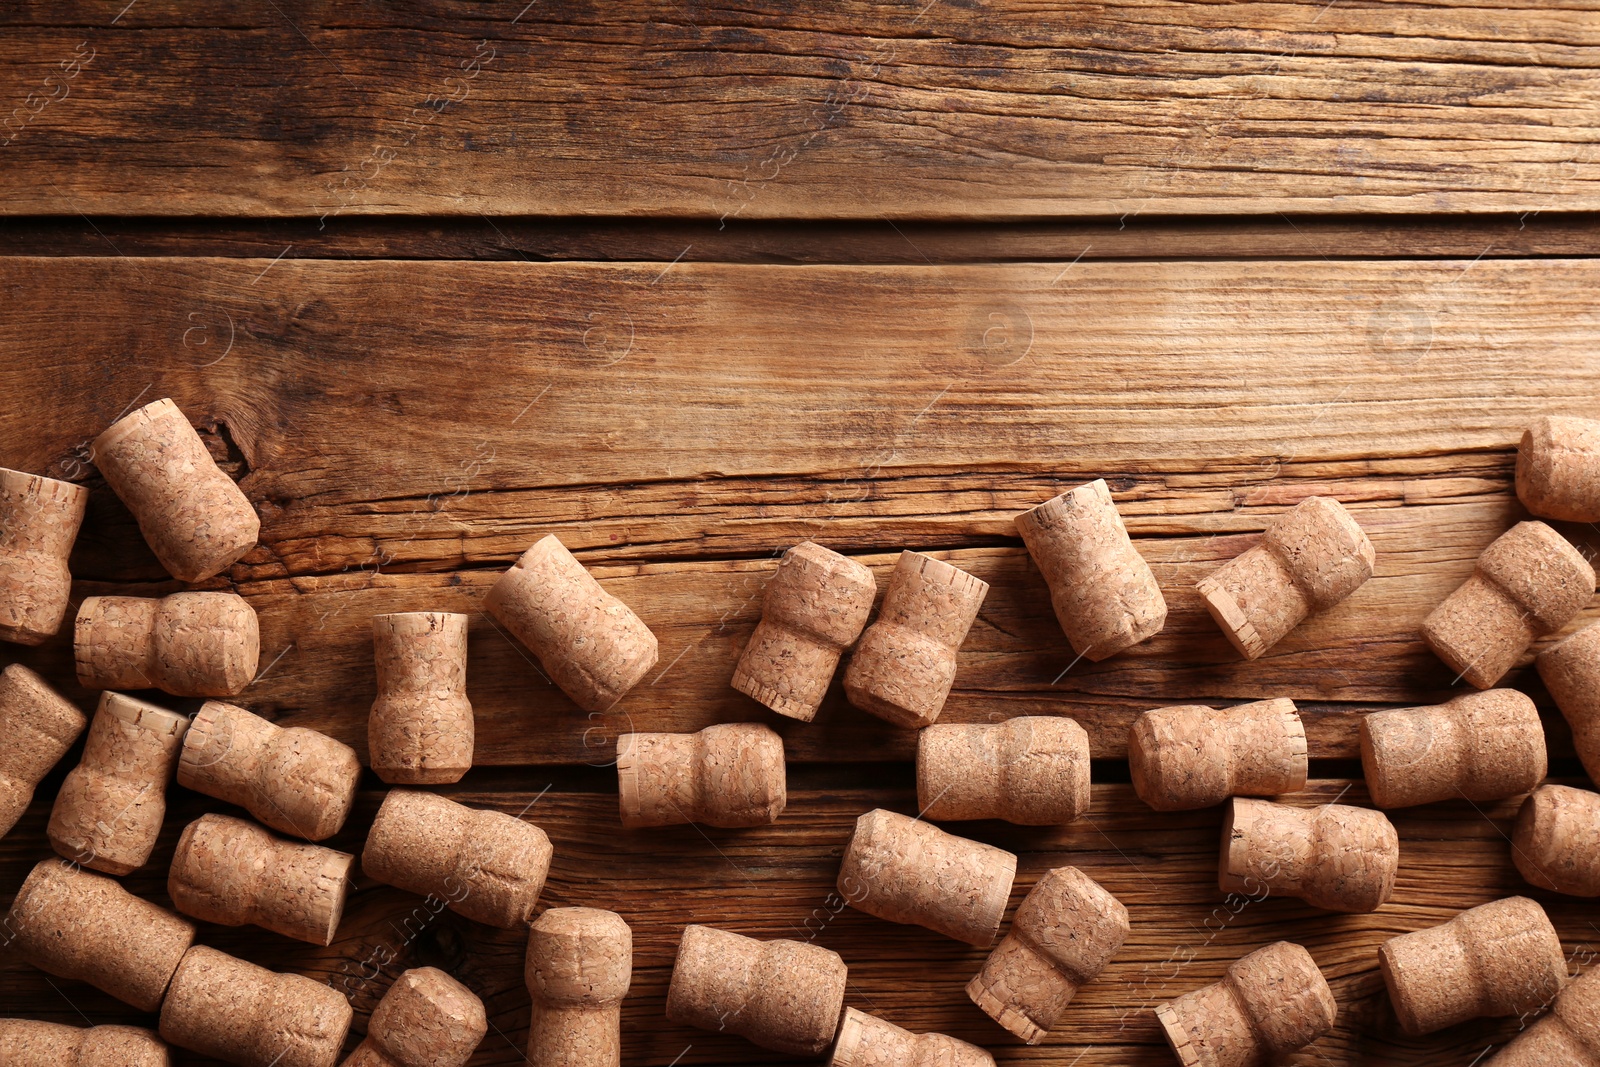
[[1529, 583], [591, 644], [814, 607], [1480, 746], [1556, 842], [233, 873], [295, 780], [196, 520], [188, 644], [906, 871], [1570, 669], [109, 811], [1567, 1037], [1334, 857], [868, 1041], [1268, 1005], [579, 967], [421, 728], [1310, 558], [727, 775], [906, 662], [1103, 592], [1188, 757], [426, 1019], [1558, 468], [26, 1043], [783, 995], [39, 520], [74, 924], [1032, 770], [486, 865], [1497, 959], [1065, 932], [237, 1012], [38, 725]]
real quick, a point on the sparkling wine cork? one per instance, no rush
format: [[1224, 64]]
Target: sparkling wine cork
[[1481, 746], [1065, 932], [26, 1043], [1335, 856], [1530, 582], [906, 662], [727, 775], [237, 1012], [486, 865], [590, 643], [1188, 757], [74, 924], [39, 520], [1104, 593], [38, 725], [868, 1041], [421, 729], [814, 607], [188, 644], [579, 967], [1570, 669], [1558, 468], [1497, 959], [110, 807], [1032, 770], [907, 871], [426, 1019], [1556, 842], [1567, 1037], [295, 780], [783, 995], [1269, 1004]]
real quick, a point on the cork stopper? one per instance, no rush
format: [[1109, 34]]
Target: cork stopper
[[188, 644], [1065, 932], [579, 967], [1188, 757], [237, 1012], [1568, 1036], [1334, 857], [1570, 669], [1496, 959], [727, 775], [39, 520], [38, 725], [907, 871], [1104, 593], [426, 1019], [783, 995], [421, 729], [906, 662], [1528, 583], [590, 643], [487, 865], [868, 1041], [1556, 842], [1032, 770], [109, 811], [814, 607], [1481, 746], [86, 927], [26, 1043], [1268, 1005], [295, 780], [1558, 468]]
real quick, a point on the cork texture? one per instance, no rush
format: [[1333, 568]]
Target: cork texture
[[39, 521], [728, 775], [38, 725], [426, 1019], [1569, 1036], [1556, 840], [1268, 1005], [579, 967], [1570, 670], [421, 729], [188, 644], [27, 1043], [1191, 756], [237, 1012], [1480, 746], [1032, 770], [1558, 468], [1335, 857], [868, 1041]]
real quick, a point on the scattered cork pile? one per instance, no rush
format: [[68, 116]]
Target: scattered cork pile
[[73, 919]]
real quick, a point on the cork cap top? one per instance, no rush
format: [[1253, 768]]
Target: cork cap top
[[819, 591], [1327, 552], [1285, 996], [1070, 918], [1558, 468], [1541, 571], [428, 1018], [580, 956]]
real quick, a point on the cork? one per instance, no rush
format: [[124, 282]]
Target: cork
[[38, 725], [868, 1041], [426, 1019], [421, 729], [591, 644], [237, 1012], [813, 609], [74, 924], [1335, 857], [579, 967], [27, 1043], [1497, 959], [1556, 841], [907, 871], [1528, 583], [188, 644], [1032, 770], [295, 780], [1570, 669], [487, 865], [1480, 746], [1568, 1036], [727, 775], [39, 520], [1104, 593], [1558, 468], [110, 807], [1190, 756], [1065, 932], [904, 666], [783, 995], [1268, 1005]]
